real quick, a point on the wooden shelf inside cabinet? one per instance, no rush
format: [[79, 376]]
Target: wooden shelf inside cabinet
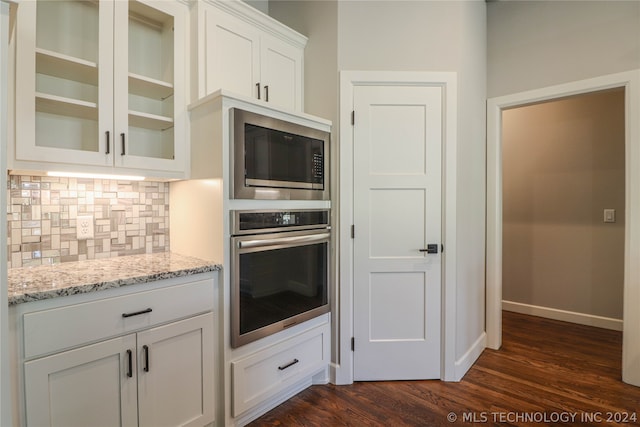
[[66, 67], [148, 87], [149, 121], [46, 103]]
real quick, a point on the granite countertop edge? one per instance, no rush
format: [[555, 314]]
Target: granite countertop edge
[[29, 284]]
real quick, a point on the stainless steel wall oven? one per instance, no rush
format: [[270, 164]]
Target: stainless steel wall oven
[[280, 270], [276, 159]]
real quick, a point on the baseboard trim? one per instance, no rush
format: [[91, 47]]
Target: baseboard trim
[[467, 360], [563, 315]]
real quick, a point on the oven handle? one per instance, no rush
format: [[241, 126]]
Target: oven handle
[[283, 241]]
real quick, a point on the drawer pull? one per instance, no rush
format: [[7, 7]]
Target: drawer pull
[[145, 348], [283, 367], [130, 361], [148, 310]]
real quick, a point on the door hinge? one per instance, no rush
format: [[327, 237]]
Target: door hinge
[[353, 344], [353, 231], [353, 117]]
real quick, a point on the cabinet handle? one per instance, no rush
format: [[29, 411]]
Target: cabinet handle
[[283, 367], [145, 348], [122, 153], [258, 86], [136, 313], [266, 93], [108, 134], [130, 362]]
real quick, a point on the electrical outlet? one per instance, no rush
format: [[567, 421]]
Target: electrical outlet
[[84, 227]]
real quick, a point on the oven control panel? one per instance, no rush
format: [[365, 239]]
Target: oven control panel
[[246, 222]]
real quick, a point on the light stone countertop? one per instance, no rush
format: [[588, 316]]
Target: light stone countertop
[[69, 278]]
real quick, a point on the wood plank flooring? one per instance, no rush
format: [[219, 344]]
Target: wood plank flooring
[[546, 373]]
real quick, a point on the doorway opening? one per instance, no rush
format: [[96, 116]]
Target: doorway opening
[[563, 208], [629, 82]]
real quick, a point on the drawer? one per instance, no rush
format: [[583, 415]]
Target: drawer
[[60, 328], [262, 375]]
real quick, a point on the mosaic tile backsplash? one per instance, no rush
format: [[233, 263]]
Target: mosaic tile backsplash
[[129, 217]]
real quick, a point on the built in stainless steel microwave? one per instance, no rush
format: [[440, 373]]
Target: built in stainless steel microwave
[[277, 159]]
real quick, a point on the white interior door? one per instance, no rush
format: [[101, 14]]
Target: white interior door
[[397, 213]]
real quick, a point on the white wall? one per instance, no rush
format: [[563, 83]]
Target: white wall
[[417, 36], [535, 44]]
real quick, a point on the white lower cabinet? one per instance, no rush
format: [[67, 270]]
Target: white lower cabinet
[[162, 376], [140, 355], [261, 376]]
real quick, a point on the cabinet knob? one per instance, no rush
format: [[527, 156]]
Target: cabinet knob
[[108, 136], [122, 153], [258, 86]]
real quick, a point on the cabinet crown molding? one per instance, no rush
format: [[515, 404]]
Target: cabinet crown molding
[[253, 16]]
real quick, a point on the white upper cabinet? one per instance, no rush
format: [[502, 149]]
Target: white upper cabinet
[[101, 87], [244, 51]]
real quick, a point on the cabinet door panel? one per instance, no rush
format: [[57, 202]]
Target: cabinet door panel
[[64, 82], [150, 84], [175, 373], [87, 386], [282, 73], [232, 55]]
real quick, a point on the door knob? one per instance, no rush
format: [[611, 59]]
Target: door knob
[[432, 248]]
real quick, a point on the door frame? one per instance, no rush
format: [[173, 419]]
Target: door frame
[[342, 368], [630, 81]]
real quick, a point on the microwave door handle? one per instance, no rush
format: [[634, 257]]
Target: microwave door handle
[[283, 241]]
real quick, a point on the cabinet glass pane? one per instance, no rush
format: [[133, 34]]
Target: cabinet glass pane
[[67, 74], [151, 110], [69, 28]]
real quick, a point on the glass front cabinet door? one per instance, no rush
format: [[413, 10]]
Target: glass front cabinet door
[[100, 85]]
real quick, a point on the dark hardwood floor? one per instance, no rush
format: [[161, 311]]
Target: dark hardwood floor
[[546, 373]]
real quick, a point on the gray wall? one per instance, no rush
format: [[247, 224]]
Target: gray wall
[[414, 36], [535, 44], [563, 163], [261, 5], [318, 20]]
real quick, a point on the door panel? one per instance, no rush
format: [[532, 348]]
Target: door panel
[[175, 373], [397, 213], [401, 289], [281, 67], [233, 55], [61, 389], [405, 209], [404, 123]]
